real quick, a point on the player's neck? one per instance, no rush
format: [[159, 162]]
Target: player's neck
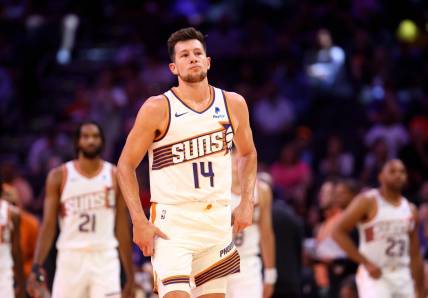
[[389, 195], [194, 93], [88, 167]]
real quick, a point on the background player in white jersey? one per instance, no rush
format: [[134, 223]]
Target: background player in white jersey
[[187, 132], [388, 254], [10, 253], [84, 196], [252, 241]]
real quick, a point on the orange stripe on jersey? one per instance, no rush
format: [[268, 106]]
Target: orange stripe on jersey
[[153, 212], [176, 279]]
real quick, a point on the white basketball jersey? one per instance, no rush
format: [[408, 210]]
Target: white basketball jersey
[[6, 261], [88, 210], [384, 240], [248, 241], [191, 162]]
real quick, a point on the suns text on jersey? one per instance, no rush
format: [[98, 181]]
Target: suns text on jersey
[[88, 201], [200, 146]]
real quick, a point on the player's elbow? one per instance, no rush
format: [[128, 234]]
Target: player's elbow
[[124, 167]]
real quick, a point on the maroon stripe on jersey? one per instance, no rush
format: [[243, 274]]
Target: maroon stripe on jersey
[[162, 164], [162, 159], [162, 151]]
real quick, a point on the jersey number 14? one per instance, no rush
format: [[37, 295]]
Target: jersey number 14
[[199, 169]]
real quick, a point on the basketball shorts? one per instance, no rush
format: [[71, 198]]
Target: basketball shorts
[[396, 283], [199, 253], [6, 283], [87, 275], [247, 283]]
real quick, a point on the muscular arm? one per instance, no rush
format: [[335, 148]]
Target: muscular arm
[[152, 120], [267, 239], [247, 155], [123, 236], [148, 122], [355, 213], [16, 253], [50, 215], [416, 264]]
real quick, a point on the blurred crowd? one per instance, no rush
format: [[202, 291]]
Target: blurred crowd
[[335, 89]]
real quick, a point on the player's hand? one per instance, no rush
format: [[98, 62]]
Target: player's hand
[[268, 290], [144, 235], [35, 288], [129, 289], [373, 270], [242, 216]]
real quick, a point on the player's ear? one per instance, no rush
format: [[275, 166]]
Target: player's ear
[[208, 62], [173, 68]]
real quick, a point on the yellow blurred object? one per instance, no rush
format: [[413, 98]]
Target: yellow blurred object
[[407, 31]]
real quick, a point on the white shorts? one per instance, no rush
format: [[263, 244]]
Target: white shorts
[[392, 284], [199, 252], [249, 282], [87, 275], [6, 283]]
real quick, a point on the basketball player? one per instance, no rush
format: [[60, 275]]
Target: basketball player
[[389, 258], [11, 268], [188, 134], [256, 239], [84, 194]]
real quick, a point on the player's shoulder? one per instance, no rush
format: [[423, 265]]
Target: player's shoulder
[[57, 174], [368, 195], [156, 102], [365, 198], [413, 208], [234, 98], [155, 107]]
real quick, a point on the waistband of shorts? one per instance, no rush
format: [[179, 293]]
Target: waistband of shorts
[[221, 202]]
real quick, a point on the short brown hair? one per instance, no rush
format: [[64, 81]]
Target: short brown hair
[[183, 35]]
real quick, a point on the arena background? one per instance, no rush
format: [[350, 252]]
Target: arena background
[[335, 88]]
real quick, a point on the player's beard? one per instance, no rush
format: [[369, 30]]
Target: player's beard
[[92, 154], [194, 78], [396, 187]]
